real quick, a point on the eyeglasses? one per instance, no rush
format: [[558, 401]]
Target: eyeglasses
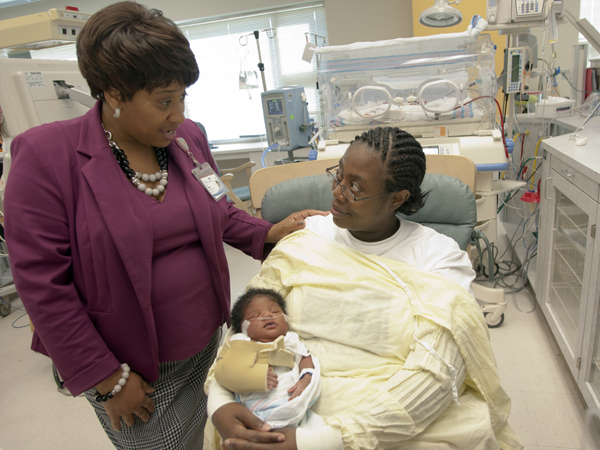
[[332, 174]]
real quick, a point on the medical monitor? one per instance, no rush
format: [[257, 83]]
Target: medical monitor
[[28, 96]]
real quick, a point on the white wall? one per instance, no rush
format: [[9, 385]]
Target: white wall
[[368, 20], [347, 20]]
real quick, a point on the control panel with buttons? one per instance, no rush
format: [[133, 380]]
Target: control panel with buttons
[[528, 7]]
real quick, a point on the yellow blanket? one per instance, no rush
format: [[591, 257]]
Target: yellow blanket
[[357, 313]]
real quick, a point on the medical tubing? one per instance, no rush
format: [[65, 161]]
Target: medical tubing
[[524, 267], [585, 92], [475, 242], [521, 168], [268, 149], [525, 230], [9, 305], [478, 234], [315, 137], [246, 323], [501, 118], [529, 180], [535, 157], [17, 319], [588, 118]]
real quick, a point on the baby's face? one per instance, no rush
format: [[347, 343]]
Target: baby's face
[[260, 308]]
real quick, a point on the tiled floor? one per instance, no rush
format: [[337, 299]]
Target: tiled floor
[[547, 412]]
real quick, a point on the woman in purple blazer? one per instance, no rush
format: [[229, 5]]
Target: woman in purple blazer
[[115, 231]]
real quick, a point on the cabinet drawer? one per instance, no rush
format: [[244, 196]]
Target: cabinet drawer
[[486, 208], [573, 176]]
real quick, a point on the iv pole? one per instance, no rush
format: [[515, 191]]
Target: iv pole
[[261, 66]]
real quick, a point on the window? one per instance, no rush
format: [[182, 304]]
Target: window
[[216, 100], [5, 3], [590, 10]]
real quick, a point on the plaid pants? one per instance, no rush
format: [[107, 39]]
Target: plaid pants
[[180, 416]]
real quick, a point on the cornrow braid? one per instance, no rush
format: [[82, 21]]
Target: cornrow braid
[[404, 159]]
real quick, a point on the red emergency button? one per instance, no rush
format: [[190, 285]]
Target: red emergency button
[[71, 8]]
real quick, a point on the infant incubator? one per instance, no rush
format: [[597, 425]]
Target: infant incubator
[[441, 89]]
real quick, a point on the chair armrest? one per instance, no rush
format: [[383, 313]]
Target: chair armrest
[[246, 166], [226, 179]]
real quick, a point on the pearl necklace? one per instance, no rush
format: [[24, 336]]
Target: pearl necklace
[[135, 177]]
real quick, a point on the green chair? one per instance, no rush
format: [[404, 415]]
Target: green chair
[[450, 207]]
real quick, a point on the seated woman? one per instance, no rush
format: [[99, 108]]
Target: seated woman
[[383, 303]]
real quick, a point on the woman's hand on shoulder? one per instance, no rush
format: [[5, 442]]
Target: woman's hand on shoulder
[[291, 223], [131, 400]]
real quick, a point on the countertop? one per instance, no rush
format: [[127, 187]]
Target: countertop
[[586, 158]]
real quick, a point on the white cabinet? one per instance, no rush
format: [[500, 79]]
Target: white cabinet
[[589, 377], [568, 269]]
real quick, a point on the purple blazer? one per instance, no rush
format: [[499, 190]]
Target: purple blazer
[[81, 250]]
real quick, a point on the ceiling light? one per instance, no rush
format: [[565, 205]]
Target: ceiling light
[[441, 15]]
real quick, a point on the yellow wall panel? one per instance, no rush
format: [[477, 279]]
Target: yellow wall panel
[[468, 8]]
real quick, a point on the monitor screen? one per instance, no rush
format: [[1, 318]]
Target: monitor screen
[[275, 106], [514, 77], [431, 150], [27, 94]]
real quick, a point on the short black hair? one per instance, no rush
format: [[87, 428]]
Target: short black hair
[[239, 309], [404, 159], [128, 47]]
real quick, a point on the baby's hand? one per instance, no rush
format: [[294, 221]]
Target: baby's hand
[[300, 386], [272, 381]]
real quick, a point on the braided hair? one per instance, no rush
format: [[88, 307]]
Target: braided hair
[[403, 157], [241, 305]]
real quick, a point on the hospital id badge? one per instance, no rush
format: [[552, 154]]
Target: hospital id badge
[[211, 181]]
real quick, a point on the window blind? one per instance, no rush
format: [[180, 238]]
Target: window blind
[[590, 10]]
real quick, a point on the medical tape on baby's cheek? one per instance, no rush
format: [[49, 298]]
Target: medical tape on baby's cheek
[[428, 347], [246, 323]]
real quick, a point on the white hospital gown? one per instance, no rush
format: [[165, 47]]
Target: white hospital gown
[[274, 406]]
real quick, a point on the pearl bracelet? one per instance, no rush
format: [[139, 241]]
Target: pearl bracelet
[[118, 386]]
